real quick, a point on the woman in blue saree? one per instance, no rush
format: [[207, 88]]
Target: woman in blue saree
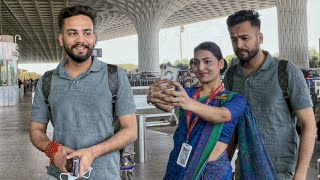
[[207, 119]]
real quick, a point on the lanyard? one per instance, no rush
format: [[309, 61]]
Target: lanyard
[[195, 97]]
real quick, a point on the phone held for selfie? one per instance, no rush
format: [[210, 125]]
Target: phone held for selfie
[[73, 166], [170, 73]]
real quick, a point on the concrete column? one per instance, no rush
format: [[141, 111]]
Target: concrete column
[[9, 95], [293, 32], [148, 17], [9, 92], [148, 47]]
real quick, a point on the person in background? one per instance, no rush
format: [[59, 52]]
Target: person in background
[[30, 85], [20, 83], [256, 78], [186, 79], [25, 86], [195, 82], [81, 105], [189, 78]]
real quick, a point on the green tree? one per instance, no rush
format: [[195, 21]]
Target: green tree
[[184, 61], [314, 58], [128, 67], [313, 63], [231, 59], [165, 64], [182, 65], [314, 53]]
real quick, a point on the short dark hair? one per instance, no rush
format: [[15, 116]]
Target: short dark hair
[[242, 16], [74, 11], [214, 49]]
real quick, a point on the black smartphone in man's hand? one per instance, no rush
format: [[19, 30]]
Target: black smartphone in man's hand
[[73, 166]]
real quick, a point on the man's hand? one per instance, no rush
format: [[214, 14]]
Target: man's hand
[[60, 159], [86, 157]]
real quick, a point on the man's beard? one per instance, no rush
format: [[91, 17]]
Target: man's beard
[[251, 54], [78, 58]]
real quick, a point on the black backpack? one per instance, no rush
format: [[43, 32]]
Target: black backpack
[[113, 86], [282, 80]]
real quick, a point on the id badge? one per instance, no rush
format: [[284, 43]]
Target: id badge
[[184, 154]]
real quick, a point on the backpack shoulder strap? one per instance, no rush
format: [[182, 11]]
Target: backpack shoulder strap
[[113, 86], [283, 81], [283, 75], [46, 84], [229, 77], [113, 81]]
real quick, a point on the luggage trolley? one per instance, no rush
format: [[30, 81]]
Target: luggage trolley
[[127, 164]]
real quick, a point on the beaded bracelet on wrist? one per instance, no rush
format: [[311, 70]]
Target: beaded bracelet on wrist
[[51, 150]]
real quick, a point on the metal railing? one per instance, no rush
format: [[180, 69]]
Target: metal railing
[[146, 82]]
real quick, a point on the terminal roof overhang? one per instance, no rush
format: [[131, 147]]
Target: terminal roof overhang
[[36, 21]]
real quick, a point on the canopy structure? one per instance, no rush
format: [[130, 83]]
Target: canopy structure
[[36, 21], [29, 29]]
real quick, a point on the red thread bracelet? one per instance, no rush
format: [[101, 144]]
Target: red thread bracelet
[[51, 150]]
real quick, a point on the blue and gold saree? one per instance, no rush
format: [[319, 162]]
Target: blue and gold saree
[[254, 161]]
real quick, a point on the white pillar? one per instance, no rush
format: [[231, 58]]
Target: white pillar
[[148, 47], [293, 32], [148, 17], [9, 92]]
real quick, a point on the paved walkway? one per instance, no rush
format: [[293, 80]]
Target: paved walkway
[[20, 160]]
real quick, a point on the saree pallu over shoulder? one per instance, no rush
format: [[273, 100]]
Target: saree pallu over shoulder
[[255, 162]]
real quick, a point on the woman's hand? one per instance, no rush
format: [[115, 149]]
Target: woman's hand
[[155, 95], [176, 98]]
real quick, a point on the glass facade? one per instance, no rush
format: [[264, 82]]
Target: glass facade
[[12, 77], [8, 64], [3, 72]]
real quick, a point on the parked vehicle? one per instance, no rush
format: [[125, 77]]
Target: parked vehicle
[[312, 76]]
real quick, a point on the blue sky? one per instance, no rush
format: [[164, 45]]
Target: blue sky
[[125, 50]]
